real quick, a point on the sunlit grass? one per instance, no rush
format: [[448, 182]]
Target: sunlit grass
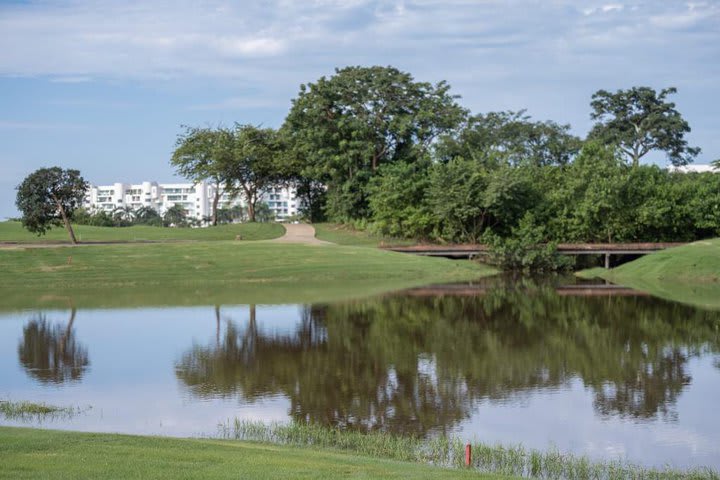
[[346, 235], [206, 273], [688, 274], [14, 232]]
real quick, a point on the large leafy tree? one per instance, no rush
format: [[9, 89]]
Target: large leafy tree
[[640, 120], [255, 164], [347, 126], [205, 154], [48, 197], [513, 138]]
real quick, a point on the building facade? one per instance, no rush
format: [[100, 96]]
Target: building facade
[[195, 199]]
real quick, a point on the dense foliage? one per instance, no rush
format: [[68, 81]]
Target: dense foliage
[[402, 158], [48, 197]]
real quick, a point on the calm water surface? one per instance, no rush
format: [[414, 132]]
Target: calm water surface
[[605, 373]]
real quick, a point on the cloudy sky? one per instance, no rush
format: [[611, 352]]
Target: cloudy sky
[[103, 86]]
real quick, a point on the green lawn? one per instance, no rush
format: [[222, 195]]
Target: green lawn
[[14, 232], [206, 273], [344, 235], [28, 453], [688, 274]]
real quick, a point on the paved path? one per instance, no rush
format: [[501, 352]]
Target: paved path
[[300, 233]]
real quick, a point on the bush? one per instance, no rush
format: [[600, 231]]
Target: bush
[[526, 250]]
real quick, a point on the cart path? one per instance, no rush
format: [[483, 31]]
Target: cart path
[[300, 233]]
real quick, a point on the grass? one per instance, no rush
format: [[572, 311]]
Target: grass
[[688, 274], [29, 411], [28, 453], [345, 235], [515, 462], [14, 232], [206, 273]]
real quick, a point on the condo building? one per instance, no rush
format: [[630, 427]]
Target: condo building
[[196, 199]]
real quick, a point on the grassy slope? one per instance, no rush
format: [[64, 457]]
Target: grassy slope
[[27, 453], [343, 235], [206, 273], [688, 274], [13, 232]]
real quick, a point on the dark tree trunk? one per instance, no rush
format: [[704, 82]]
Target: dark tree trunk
[[66, 220], [251, 210], [216, 200]]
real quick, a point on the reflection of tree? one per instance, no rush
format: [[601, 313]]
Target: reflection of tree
[[50, 353], [418, 364]]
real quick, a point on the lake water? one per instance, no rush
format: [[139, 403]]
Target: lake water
[[597, 371]]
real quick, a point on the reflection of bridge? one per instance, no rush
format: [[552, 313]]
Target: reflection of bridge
[[474, 250], [580, 290]]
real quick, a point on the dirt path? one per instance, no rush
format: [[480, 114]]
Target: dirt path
[[300, 233]]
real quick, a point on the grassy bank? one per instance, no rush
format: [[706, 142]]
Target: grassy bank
[[345, 235], [688, 274], [14, 232], [206, 273], [513, 461], [27, 453]]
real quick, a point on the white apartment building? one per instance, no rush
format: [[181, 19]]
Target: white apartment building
[[196, 199]]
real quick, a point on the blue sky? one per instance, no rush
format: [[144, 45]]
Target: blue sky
[[104, 86]]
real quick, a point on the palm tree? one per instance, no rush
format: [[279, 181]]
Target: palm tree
[[175, 216]]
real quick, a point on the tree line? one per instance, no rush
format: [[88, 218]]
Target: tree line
[[374, 148]]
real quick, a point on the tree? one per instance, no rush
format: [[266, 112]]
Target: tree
[[254, 167], [640, 120], [347, 126], [148, 216], [205, 154], [511, 137], [124, 216], [175, 216], [48, 197]]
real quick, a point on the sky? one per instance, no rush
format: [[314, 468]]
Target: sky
[[104, 86]]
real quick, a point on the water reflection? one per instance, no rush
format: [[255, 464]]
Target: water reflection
[[50, 353], [421, 363]]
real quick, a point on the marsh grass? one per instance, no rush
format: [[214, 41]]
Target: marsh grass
[[515, 461], [30, 411]]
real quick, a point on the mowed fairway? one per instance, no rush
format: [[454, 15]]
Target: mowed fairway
[[26, 453], [213, 272], [14, 232]]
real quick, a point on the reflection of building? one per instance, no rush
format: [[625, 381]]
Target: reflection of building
[[196, 199]]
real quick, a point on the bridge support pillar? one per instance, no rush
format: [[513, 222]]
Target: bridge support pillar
[[607, 260]]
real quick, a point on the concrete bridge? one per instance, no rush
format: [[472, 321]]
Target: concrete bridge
[[475, 250]]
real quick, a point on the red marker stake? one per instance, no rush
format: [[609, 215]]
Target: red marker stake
[[468, 455]]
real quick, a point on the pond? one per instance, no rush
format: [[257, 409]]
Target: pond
[[589, 369]]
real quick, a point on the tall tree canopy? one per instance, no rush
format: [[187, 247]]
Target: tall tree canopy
[[639, 120], [48, 197], [513, 138], [205, 154], [347, 126], [255, 165]]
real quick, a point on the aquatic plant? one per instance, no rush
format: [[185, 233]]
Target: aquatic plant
[[444, 451], [30, 411]]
